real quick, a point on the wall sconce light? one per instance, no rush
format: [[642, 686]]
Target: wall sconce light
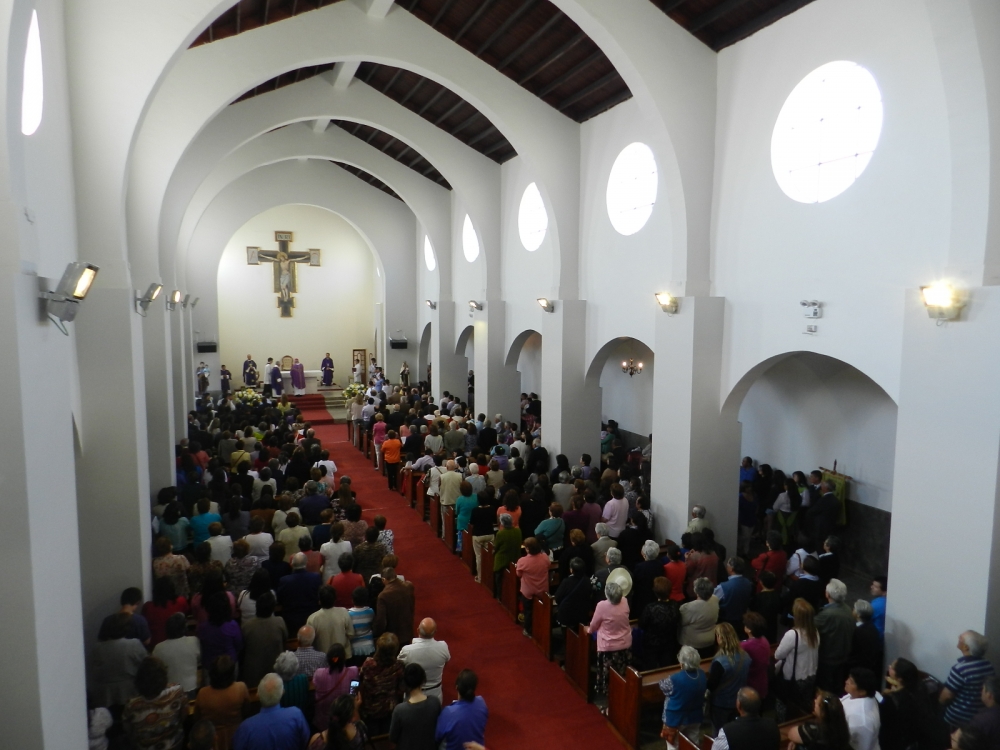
[[142, 303], [812, 308], [942, 300], [667, 302], [431, 304], [473, 305], [62, 304], [547, 305], [174, 299], [631, 368], [185, 301], [193, 304]]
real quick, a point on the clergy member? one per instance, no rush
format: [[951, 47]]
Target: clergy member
[[299, 378], [202, 378], [267, 376], [327, 368], [250, 372], [276, 382], [224, 377], [357, 369]]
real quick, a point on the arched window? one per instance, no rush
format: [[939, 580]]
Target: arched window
[[470, 242], [32, 88], [429, 260], [532, 219], [632, 187]]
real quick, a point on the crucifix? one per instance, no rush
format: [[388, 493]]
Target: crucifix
[[283, 261]]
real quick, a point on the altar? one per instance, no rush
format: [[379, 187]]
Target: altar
[[314, 381]]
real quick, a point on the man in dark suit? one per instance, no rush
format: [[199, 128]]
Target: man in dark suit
[[823, 515], [394, 613], [298, 593], [749, 731]]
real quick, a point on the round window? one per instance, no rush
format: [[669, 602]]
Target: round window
[[632, 188], [532, 219], [826, 132], [470, 242], [429, 260]]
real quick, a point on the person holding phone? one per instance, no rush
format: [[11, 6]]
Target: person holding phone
[[331, 682]]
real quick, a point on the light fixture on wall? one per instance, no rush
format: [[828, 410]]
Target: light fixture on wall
[[942, 300], [667, 302], [174, 299], [62, 304], [184, 302], [142, 303], [811, 308], [631, 367], [473, 305], [431, 304], [195, 302], [546, 304]]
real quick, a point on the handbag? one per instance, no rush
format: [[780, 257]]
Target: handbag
[[792, 690]]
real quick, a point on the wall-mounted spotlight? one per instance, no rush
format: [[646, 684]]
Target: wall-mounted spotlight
[[184, 302], [174, 299], [812, 308], [942, 300], [667, 302], [142, 303], [63, 303], [431, 304], [195, 302], [473, 305], [546, 304]]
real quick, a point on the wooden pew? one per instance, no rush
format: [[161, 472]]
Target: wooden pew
[[350, 430], [366, 443], [487, 576], [541, 623], [468, 553], [406, 484], [449, 528], [374, 456], [508, 591], [577, 665], [434, 518], [419, 492]]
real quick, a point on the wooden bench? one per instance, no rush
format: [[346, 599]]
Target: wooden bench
[[350, 430], [508, 590], [487, 559], [449, 528], [541, 623], [419, 493], [434, 516], [366, 443], [468, 553], [577, 664]]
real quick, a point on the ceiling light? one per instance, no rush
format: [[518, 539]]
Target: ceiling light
[[667, 302], [174, 299], [942, 300], [142, 303], [431, 304], [547, 305], [62, 304], [475, 305]]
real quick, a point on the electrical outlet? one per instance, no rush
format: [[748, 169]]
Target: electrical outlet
[[812, 329]]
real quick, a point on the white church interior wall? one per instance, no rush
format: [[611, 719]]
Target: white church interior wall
[[628, 400], [856, 252], [529, 365]]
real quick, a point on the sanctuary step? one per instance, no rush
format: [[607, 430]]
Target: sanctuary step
[[327, 401]]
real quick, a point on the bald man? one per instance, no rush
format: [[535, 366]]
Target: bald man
[[430, 654]]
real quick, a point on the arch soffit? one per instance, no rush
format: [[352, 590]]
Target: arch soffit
[[431, 206], [604, 353], [514, 351], [241, 124], [734, 399], [463, 339]]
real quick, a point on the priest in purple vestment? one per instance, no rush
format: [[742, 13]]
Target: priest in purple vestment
[[327, 368], [276, 382], [299, 378]]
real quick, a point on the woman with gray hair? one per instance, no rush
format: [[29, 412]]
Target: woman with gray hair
[[602, 545], [506, 549], [699, 617], [684, 691], [614, 634], [296, 685]]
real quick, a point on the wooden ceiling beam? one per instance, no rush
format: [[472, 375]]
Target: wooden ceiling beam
[[430, 102], [578, 68], [756, 24], [502, 28], [451, 110], [465, 123], [413, 89], [543, 64], [530, 41], [498, 145], [588, 90], [714, 14], [605, 105], [483, 7], [490, 130], [389, 85], [445, 7], [672, 5]]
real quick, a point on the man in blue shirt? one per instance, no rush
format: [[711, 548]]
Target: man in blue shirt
[[465, 719], [274, 728], [880, 587], [734, 594]]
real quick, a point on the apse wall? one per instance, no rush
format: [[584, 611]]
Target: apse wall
[[334, 306], [628, 400], [858, 252]]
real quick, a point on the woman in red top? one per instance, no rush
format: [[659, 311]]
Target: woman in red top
[[165, 603], [774, 559], [346, 580], [676, 571], [391, 449]]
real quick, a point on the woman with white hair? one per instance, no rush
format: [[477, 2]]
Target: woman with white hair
[[296, 685], [614, 634], [684, 691], [699, 617]]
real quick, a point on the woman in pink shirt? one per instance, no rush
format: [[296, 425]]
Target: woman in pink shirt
[[759, 650], [614, 634], [378, 436]]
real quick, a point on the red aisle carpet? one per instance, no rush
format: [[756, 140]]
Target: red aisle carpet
[[531, 703]]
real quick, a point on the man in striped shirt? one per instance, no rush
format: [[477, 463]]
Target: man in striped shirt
[[963, 691]]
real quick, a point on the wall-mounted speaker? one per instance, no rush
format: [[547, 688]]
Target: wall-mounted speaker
[[398, 344], [209, 347]]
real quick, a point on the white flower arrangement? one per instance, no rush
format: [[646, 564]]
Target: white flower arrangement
[[352, 390], [248, 396]]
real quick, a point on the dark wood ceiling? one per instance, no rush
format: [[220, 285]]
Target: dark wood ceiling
[[369, 178], [721, 23], [395, 148]]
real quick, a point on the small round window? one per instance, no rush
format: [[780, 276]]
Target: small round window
[[470, 242], [429, 260], [32, 87], [826, 132], [632, 188], [532, 219]]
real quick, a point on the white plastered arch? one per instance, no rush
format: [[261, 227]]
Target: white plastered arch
[[388, 231]]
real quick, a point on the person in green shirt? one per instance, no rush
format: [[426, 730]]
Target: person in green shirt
[[506, 548], [552, 530], [466, 503]]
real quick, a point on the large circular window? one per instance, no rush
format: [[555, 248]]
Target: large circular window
[[32, 88], [470, 242], [826, 132], [532, 220], [429, 260], [632, 188]]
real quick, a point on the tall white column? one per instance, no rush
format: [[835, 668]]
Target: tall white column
[[448, 372], [180, 363], [571, 411], [158, 371]]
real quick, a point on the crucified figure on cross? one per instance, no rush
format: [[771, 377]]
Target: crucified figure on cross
[[284, 261]]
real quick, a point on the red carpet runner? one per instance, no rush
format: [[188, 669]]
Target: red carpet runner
[[531, 703]]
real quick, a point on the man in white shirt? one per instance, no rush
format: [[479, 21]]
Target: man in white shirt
[[222, 546], [325, 460], [267, 376], [332, 551], [430, 654], [861, 709]]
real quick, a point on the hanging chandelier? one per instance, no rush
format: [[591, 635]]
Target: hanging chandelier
[[631, 367]]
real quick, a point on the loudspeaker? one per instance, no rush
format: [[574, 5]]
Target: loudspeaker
[[402, 344], [207, 347]]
